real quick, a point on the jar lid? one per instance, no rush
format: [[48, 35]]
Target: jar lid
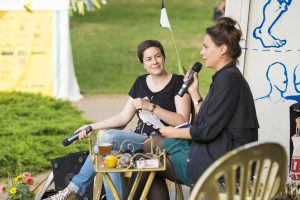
[[295, 107]]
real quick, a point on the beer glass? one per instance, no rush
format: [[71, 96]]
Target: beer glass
[[104, 142]]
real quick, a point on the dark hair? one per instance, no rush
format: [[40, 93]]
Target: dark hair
[[147, 44], [225, 32]]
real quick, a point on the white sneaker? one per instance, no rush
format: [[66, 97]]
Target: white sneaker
[[65, 194]]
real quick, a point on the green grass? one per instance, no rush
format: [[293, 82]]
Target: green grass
[[104, 42], [31, 131], [104, 51]]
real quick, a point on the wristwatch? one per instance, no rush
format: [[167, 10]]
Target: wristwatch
[[153, 107]]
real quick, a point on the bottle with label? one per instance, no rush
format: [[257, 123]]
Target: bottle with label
[[295, 164]]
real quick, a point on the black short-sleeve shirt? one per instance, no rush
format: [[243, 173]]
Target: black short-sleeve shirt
[[164, 98]]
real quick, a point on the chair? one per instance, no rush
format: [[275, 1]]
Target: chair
[[252, 171], [178, 189]]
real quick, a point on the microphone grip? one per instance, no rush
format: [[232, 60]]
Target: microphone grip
[[182, 90], [72, 138], [186, 84], [195, 69]]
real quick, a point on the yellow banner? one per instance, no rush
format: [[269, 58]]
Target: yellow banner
[[26, 51]]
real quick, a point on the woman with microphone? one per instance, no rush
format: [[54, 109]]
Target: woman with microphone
[[225, 120], [154, 93]]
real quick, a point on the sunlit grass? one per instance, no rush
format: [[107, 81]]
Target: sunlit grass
[[32, 128], [104, 42], [104, 46]]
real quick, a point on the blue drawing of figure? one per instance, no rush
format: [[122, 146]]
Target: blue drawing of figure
[[296, 81], [272, 11], [277, 77]]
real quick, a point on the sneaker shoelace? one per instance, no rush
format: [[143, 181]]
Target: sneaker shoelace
[[61, 194]]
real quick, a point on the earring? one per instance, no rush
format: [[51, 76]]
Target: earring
[[222, 56]]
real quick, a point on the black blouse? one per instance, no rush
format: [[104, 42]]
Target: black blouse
[[227, 119]]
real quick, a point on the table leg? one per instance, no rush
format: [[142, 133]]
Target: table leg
[[135, 185], [148, 185], [97, 186], [112, 187]]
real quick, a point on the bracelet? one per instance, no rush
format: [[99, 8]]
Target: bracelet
[[198, 101], [153, 108]]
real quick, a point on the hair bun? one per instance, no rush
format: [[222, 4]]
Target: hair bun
[[227, 23]]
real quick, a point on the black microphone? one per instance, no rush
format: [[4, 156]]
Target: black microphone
[[72, 138], [195, 69]]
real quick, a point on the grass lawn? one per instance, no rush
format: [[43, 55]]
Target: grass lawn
[[31, 132], [104, 51], [104, 42]]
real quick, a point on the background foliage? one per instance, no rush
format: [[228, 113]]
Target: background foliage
[[31, 131], [104, 46], [104, 42]]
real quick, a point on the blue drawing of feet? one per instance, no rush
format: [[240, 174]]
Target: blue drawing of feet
[[267, 40], [272, 11]]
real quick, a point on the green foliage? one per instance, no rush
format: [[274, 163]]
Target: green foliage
[[104, 42], [104, 46], [18, 188], [32, 128]]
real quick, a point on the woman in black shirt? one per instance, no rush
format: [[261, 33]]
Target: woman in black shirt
[[153, 94], [226, 119]]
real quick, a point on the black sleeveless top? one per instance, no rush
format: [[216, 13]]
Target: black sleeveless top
[[164, 98]]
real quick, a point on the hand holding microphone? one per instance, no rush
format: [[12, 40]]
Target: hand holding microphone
[[195, 69], [74, 137]]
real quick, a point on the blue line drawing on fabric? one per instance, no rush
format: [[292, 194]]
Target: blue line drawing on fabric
[[272, 11], [296, 78], [277, 77], [270, 50], [296, 82]]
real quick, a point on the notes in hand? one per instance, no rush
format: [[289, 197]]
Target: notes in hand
[[185, 125]]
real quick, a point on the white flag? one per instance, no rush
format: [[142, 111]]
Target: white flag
[[164, 21]]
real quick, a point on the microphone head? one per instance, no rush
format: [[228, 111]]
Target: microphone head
[[66, 142], [197, 67]]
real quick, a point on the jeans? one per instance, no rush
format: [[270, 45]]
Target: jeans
[[81, 181]]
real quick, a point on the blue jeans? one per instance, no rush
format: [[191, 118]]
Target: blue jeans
[[81, 181]]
